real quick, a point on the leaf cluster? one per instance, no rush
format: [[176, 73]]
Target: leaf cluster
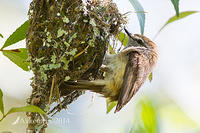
[[28, 108]]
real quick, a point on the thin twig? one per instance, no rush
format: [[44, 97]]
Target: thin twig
[[58, 94], [107, 25], [52, 88]]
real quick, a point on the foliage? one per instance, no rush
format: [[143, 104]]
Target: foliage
[[151, 112], [176, 6], [150, 76], [146, 120], [175, 18], [19, 57], [1, 102], [123, 38], [1, 35], [28, 108], [18, 35], [140, 14], [110, 105]]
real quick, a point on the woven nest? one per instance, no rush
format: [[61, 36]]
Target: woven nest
[[67, 40]]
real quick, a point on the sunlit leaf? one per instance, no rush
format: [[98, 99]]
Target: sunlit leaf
[[28, 108], [122, 37], [145, 118], [110, 105], [1, 35], [175, 18], [1, 102], [138, 129], [18, 35], [150, 76], [19, 57], [176, 6], [111, 50], [172, 112], [140, 14], [149, 116]]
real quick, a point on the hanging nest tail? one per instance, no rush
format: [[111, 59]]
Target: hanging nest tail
[[67, 40]]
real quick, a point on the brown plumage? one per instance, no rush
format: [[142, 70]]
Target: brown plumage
[[125, 71]]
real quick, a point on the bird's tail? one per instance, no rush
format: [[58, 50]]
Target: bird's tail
[[95, 86]]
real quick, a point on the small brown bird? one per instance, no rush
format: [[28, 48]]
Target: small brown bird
[[125, 72]]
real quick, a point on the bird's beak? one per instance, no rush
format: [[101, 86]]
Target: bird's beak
[[128, 33]]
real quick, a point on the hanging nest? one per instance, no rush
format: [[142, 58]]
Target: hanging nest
[[67, 40]]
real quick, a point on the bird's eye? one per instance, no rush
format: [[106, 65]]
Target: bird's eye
[[139, 41]]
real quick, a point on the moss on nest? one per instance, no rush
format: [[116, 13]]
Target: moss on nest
[[68, 40]]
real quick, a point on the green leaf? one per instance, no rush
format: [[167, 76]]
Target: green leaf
[[140, 14], [111, 50], [150, 76], [1, 102], [175, 18], [1, 35], [149, 116], [19, 57], [138, 129], [122, 38], [18, 35], [110, 105], [176, 6], [169, 110], [28, 108]]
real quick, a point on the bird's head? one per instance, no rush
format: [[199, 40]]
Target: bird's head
[[138, 40]]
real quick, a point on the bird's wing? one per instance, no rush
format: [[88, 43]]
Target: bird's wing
[[134, 77]]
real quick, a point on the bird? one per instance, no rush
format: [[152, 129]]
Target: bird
[[125, 72]]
